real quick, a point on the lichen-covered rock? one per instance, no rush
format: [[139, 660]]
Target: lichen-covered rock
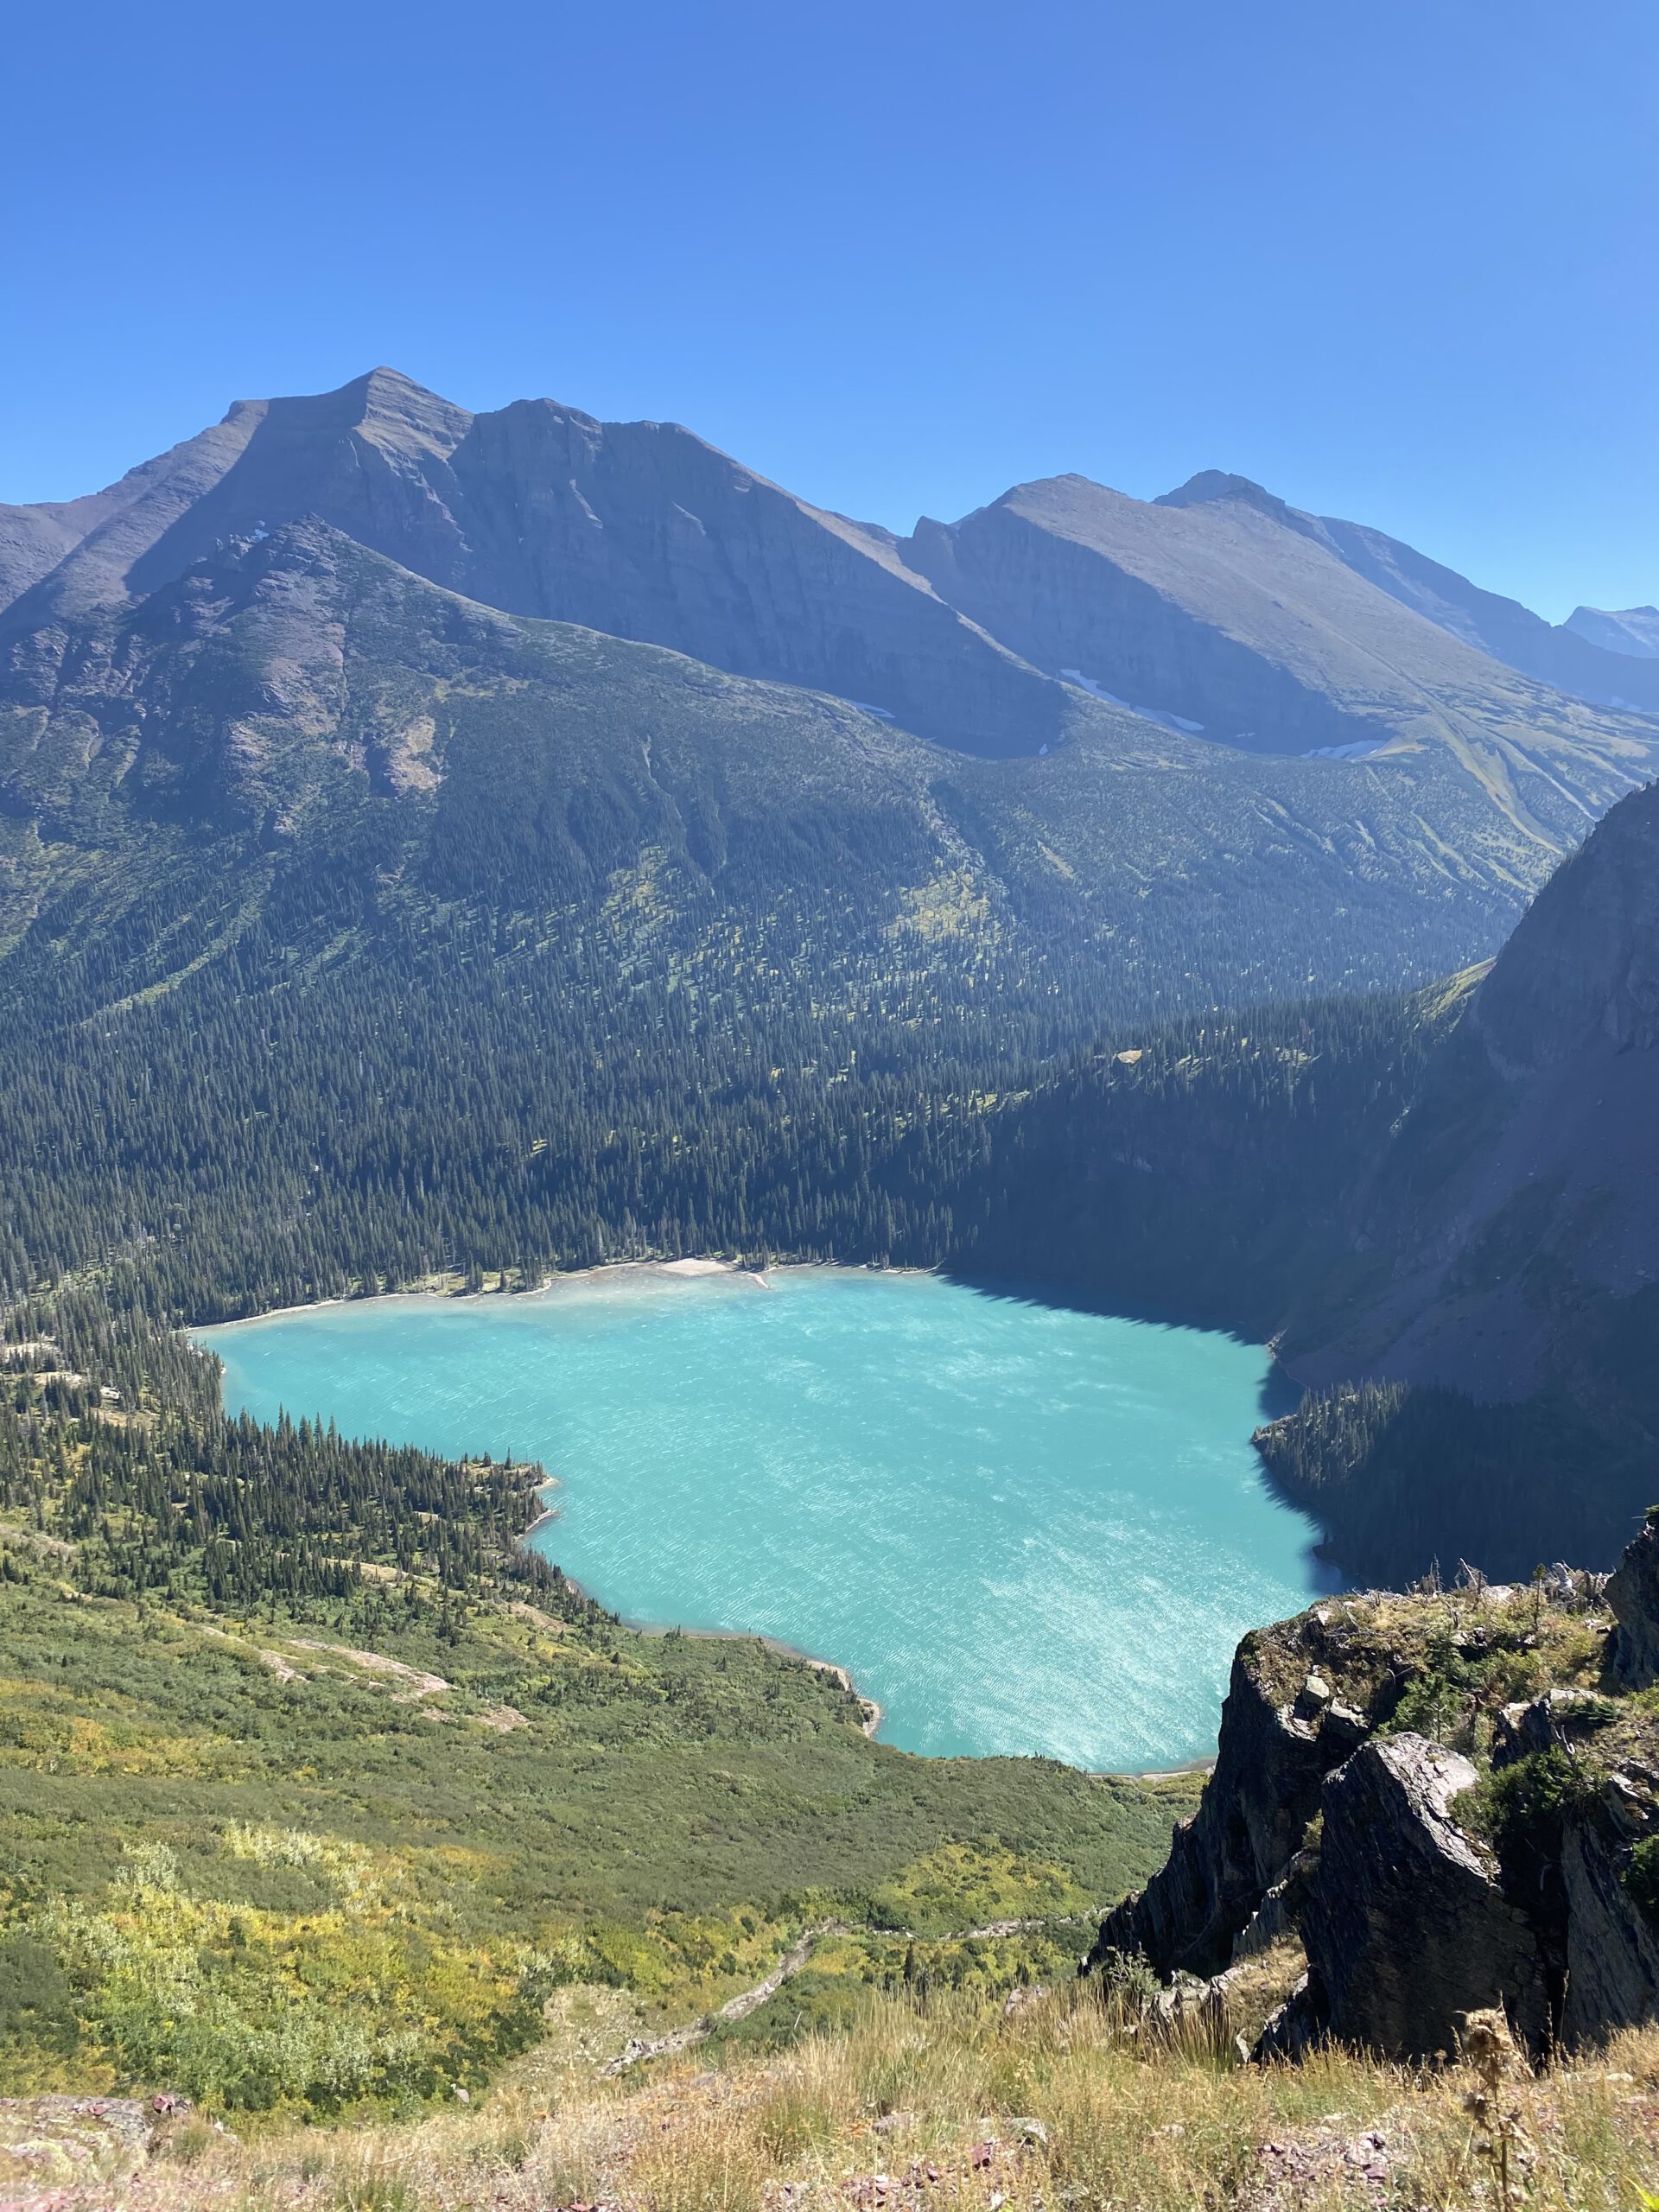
[[1633, 1593], [52, 2145], [1406, 1925]]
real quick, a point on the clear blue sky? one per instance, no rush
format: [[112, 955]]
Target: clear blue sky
[[1397, 259]]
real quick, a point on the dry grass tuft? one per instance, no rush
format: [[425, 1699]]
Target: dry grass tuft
[[959, 2106]]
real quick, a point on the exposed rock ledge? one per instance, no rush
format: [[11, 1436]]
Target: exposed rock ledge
[[1450, 1801]]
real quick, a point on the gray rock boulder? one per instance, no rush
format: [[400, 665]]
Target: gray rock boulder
[[1406, 1925], [1612, 1948], [1272, 1760]]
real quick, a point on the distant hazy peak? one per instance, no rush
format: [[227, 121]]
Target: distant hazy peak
[[1210, 484], [1633, 630]]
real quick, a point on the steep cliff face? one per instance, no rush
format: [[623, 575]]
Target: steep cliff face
[[1406, 1924], [1481, 1829], [1508, 1243], [1284, 1728], [1225, 609]]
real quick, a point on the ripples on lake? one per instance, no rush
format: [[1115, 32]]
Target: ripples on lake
[[1023, 1528]]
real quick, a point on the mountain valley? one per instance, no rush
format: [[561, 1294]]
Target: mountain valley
[[443, 850]]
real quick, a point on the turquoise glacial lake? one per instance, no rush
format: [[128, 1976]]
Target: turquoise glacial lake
[[1022, 1527]]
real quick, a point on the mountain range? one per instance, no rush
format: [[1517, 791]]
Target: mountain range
[[1208, 695], [1218, 606]]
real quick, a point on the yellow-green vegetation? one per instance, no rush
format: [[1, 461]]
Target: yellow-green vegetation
[[319, 1864], [314, 1785], [951, 904], [1463, 1654], [956, 2101]]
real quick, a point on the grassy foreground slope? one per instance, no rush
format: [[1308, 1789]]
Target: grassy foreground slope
[[950, 2101]]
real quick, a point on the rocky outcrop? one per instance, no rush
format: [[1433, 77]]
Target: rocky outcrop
[[1283, 1729], [1612, 1946], [1514, 1871], [1406, 1923], [1633, 1593], [58, 2150]]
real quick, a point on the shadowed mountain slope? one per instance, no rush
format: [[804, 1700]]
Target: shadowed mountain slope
[[1486, 1332], [1222, 607], [1510, 1241]]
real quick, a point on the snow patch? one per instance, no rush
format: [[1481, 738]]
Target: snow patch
[[1159, 714]]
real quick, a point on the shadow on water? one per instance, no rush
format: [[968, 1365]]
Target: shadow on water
[[1280, 1393]]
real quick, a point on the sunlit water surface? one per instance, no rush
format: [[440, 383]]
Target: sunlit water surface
[[1022, 1527]]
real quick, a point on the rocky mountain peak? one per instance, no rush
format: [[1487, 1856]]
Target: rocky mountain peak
[[1211, 484]]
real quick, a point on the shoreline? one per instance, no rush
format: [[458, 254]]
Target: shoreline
[[690, 1269], [873, 1712], [452, 1291]]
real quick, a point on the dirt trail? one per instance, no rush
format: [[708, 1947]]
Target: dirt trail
[[641, 2048]]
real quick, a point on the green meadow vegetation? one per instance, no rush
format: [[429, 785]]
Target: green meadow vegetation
[[316, 1816]]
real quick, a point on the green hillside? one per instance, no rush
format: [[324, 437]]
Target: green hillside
[[314, 1789]]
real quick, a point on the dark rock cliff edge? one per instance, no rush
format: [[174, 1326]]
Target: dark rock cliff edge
[[1446, 1803]]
